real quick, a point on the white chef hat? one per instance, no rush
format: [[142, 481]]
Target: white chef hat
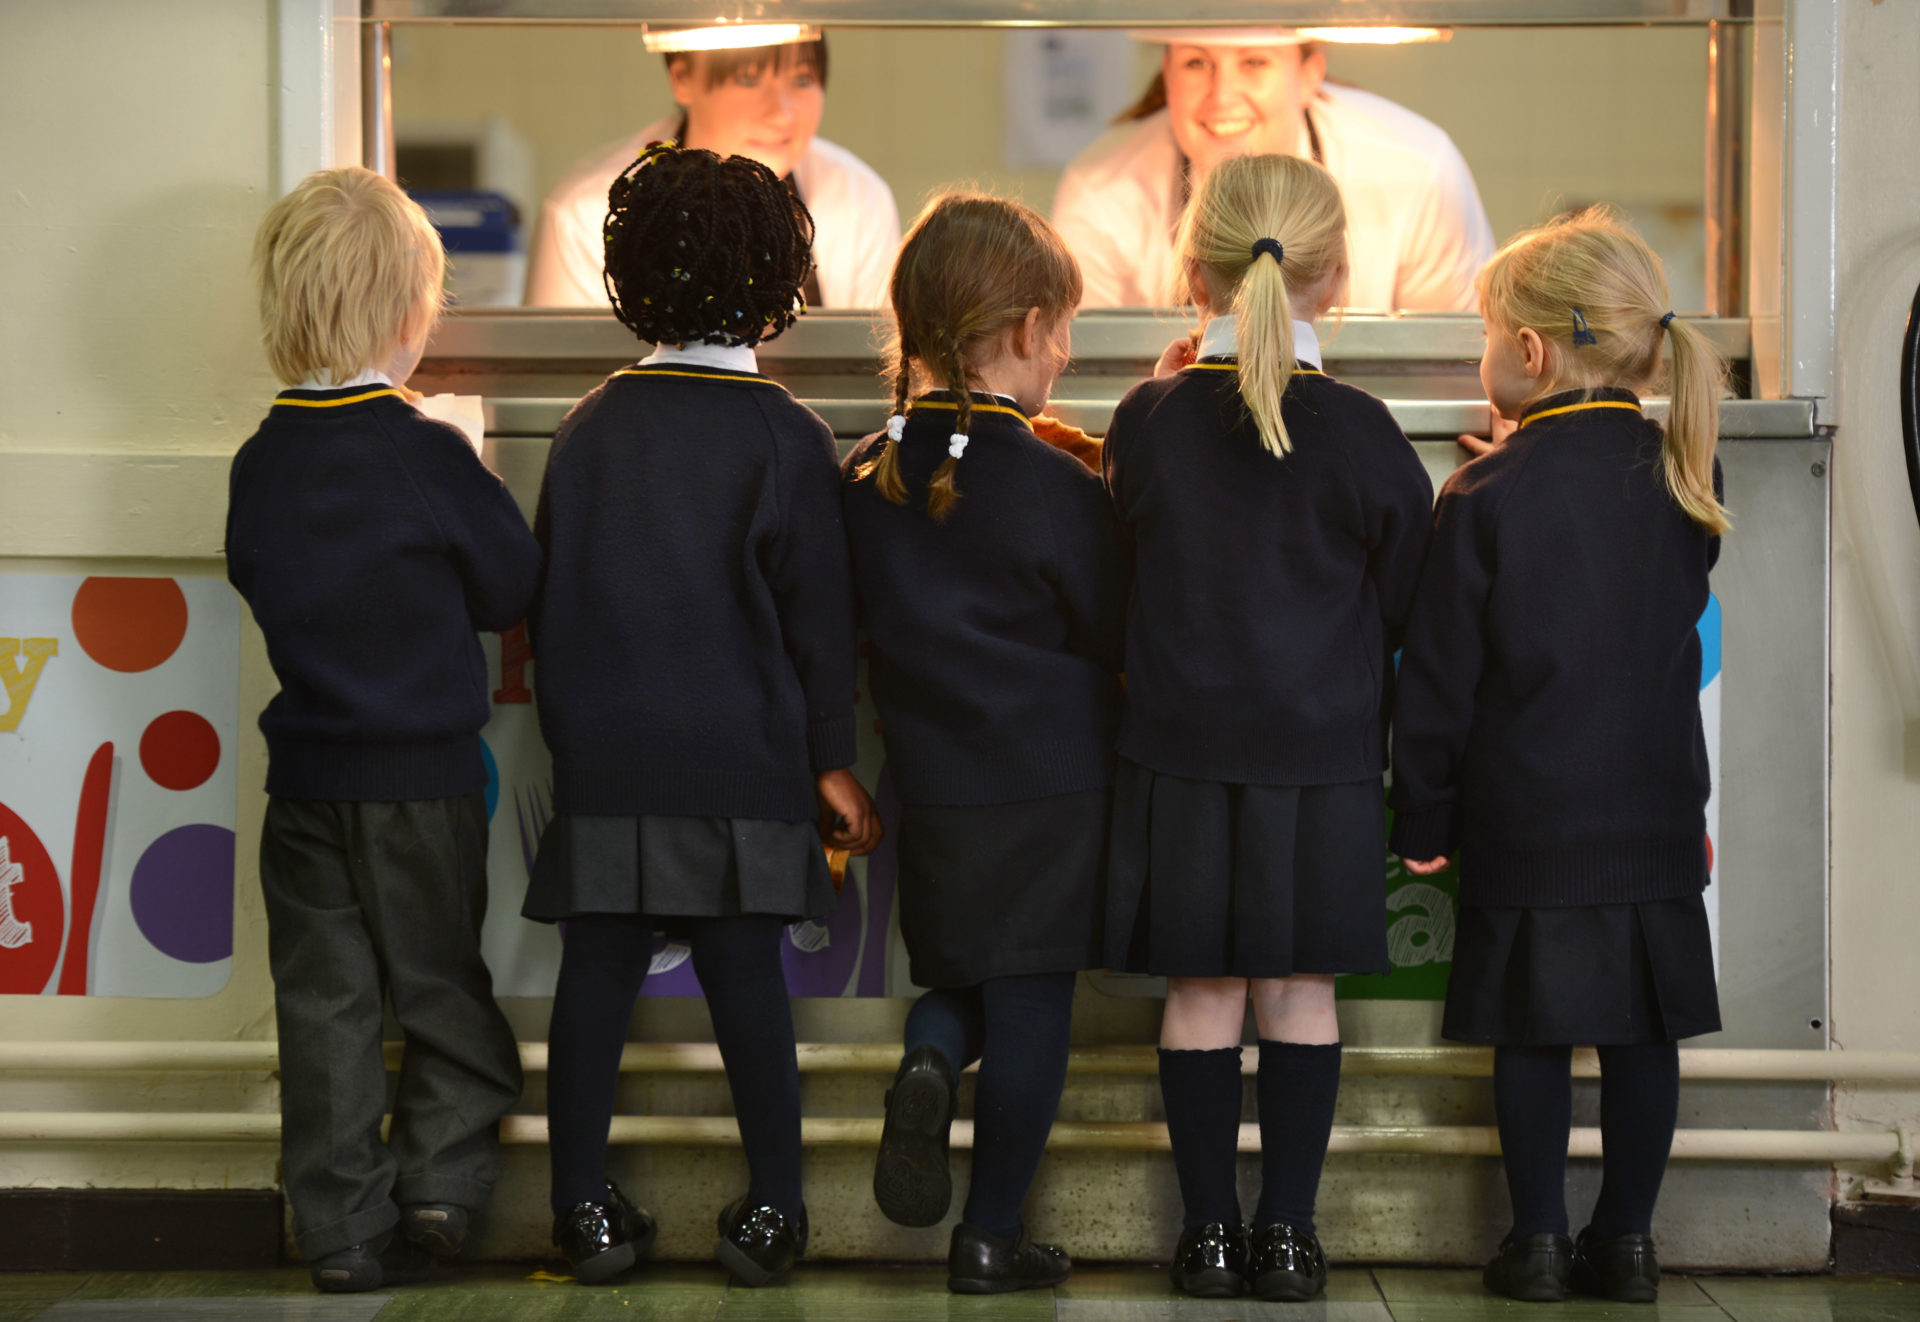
[[1219, 36]]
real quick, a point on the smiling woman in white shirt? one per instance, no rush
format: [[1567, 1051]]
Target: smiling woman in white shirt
[[1418, 232], [763, 102]]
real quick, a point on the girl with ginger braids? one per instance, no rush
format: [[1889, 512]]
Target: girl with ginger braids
[[1277, 519], [694, 637], [988, 570], [1548, 730]]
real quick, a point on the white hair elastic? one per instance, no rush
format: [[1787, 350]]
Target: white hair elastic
[[957, 444], [896, 426]]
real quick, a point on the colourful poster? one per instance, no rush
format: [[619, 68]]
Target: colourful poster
[[117, 784]]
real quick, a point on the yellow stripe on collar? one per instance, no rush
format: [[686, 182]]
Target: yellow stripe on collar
[[1576, 408], [1234, 367], [336, 403], [698, 376], [955, 408]]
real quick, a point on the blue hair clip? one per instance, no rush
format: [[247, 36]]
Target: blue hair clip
[[1582, 333], [1269, 246]]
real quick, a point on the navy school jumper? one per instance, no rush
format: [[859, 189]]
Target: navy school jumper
[[995, 632], [1269, 594], [693, 632], [371, 542]]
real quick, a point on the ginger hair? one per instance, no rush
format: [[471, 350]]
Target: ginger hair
[[1593, 262], [967, 273], [1243, 200], [348, 267]]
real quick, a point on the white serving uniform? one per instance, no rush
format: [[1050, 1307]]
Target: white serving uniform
[[856, 225], [1416, 231]]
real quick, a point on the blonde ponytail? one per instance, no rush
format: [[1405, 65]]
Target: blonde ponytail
[[1693, 425], [1266, 228], [1263, 325]]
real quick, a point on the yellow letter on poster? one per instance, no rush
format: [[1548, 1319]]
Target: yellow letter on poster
[[19, 679]]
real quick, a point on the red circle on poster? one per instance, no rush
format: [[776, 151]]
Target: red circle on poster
[[32, 909], [180, 750], [129, 624]]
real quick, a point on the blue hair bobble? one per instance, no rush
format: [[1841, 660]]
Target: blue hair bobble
[[1269, 246], [1582, 333], [1666, 322]]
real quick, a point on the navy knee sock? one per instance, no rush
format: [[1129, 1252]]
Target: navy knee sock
[[738, 963], [603, 963], [1639, 1106], [1533, 1098], [1201, 1091], [950, 1020], [1298, 1085], [1023, 1068]]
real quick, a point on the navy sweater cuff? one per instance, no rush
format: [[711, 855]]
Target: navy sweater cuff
[[830, 744], [1424, 834]]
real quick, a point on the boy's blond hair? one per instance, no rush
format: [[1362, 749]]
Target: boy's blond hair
[[1596, 295], [1245, 200], [349, 267]]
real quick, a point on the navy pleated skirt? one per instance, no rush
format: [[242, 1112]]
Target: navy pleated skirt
[[1003, 889], [678, 867], [1208, 879], [1585, 975]]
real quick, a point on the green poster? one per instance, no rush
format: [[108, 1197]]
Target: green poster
[[1420, 921]]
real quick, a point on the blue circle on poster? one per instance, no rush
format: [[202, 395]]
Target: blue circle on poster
[[493, 778], [1710, 641]]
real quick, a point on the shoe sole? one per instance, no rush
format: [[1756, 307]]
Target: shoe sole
[[981, 1285], [435, 1242], [1638, 1292], [744, 1269], [1535, 1292], [605, 1266], [911, 1180], [1213, 1283], [1286, 1287], [338, 1281]]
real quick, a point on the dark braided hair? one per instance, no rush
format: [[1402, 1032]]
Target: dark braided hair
[[700, 248]]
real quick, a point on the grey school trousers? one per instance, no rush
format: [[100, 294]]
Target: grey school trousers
[[366, 899]]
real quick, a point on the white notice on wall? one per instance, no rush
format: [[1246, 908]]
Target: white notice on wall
[[1061, 89]]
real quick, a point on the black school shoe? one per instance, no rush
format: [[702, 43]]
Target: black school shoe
[[1211, 1261], [911, 1180], [387, 1261], [1623, 1268], [1531, 1268], [758, 1244], [1286, 1264], [603, 1239], [439, 1228], [982, 1263]]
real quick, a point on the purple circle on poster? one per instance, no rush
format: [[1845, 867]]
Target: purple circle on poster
[[182, 893]]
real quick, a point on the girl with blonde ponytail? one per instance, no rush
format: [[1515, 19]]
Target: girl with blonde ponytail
[[989, 573], [1555, 637], [1278, 519]]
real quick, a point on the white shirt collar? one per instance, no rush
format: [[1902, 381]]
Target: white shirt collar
[[729, 357], [1218, 341], [323, 380]]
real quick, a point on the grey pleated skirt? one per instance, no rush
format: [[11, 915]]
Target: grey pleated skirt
[[678, 867], [1584, 975], [1208, 879]]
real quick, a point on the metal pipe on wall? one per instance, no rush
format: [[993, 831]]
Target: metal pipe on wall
[[1729, 60], [376, 111]]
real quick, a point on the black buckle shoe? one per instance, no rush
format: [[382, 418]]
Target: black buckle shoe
[[1286, 1264], [1623, 1268], [439, 1228], [1211, 1261], [759, 1245], [911, 1181], [387, 1261], [981, 1263], [601, 1240], [1531, 1268]]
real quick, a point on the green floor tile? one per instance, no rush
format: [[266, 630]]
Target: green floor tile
[[1143, 1294], [232, 1308], [1344, 1285], [1816, 1298], [196, 1285], [24, 1295], [879, 1294], [1428, 1286]]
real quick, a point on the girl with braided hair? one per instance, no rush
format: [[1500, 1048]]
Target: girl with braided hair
[[989, 573], [694, 637]]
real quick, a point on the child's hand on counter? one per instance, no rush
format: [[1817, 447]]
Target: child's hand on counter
[[1476, 446]]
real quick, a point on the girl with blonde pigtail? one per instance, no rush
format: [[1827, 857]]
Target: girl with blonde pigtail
[[1548, 734], [1277, 519], [989, 576]]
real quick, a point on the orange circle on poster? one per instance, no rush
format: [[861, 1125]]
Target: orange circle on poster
[[180, 750], [129, 624]]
